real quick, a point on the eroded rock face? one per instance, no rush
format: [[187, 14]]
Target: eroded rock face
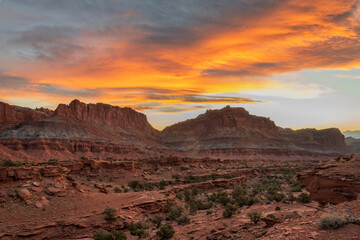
[[14, 114], [230, 129], [333, 182], [116, 117]]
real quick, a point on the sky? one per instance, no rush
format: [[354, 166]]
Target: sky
[[295, 61]]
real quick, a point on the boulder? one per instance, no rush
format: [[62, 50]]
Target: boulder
[[24, 194]]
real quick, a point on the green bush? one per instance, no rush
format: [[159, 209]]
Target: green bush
[[117, 189], [229, 210], [139, 229], [156, 220], [110, 214], [304, 198], [165, 232], [179, 196], [102, 234], [183, 220], [254, 216], [175, 212], [10, 163], [277, 208], [118, 235], [332, 221], [272, 216]]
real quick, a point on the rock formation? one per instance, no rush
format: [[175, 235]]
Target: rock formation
[[353, 144], [333, 182], [105, 131]]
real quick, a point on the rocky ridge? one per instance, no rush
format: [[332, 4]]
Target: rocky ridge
[[102, 130]]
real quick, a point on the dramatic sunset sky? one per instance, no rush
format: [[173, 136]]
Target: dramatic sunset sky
[[295, 61]]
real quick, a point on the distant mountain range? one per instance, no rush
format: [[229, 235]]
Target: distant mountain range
[[353, 134], [104, 131]]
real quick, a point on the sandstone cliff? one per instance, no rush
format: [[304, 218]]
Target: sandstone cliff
[[234, 128], [15, 114]]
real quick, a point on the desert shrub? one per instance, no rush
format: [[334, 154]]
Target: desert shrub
[[136, 185], [139, 229], [272, 216], [102, 234], [183, 168], [179, 196], [304, 198], [194, 191], [254, 216], [187, 195], [229, 210], [223, 199], [165, 232], [10, 163], [117, 189], [209, 212], [156, 220], [183, 220], [176, 176], [118, 235], [277, 208], [110, 214], [332, 221], [239, 192], [175, 212], [274, 196], [296, 188], [196, 205], [291, 198]]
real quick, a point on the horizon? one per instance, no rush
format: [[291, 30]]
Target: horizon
[[173, 60], [202, 112]]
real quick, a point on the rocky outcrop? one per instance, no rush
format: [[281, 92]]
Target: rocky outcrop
[[234, 129], [333, 182], [104, 131], [108, 115], [15, 114]]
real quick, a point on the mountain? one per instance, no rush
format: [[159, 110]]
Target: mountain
[[233, 129], [353, 144], [353, 134], [102, 131]]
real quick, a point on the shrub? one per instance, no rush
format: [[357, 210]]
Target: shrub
[[183, 220], [118, 235], [176, 176], [175, 212], [139, 229], [209, 212], [291, 198], [156, 220], [10, 163], [110, 214], [254, 216], [194, 191], [179, 196], [332, 221], [272, 216], [296, 188], [117, 189], [187, 195], [102, 234], [165, 232], [304, 198], [277, 208], [229, 210]]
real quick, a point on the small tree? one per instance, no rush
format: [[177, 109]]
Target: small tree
[[183, 220], [229, 210], [165, 232], [102, 234], [110, 214], [304, 198], [175, 212], [139, 229], [254, 216]]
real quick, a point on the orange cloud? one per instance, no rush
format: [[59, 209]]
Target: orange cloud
[[234, 49]]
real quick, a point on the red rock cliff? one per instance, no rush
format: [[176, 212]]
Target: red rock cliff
[[104, 114], [14, 114]]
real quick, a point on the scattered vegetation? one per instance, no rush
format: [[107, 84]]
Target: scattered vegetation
[[304, 198], [139, 229], [110, 214], [255, 216], [165, 232], [156, 220], [10, 163], [229, 210], [183, 220], [332, 221], [102, 234]]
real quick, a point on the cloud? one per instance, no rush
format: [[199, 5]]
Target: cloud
[[13, 82]]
